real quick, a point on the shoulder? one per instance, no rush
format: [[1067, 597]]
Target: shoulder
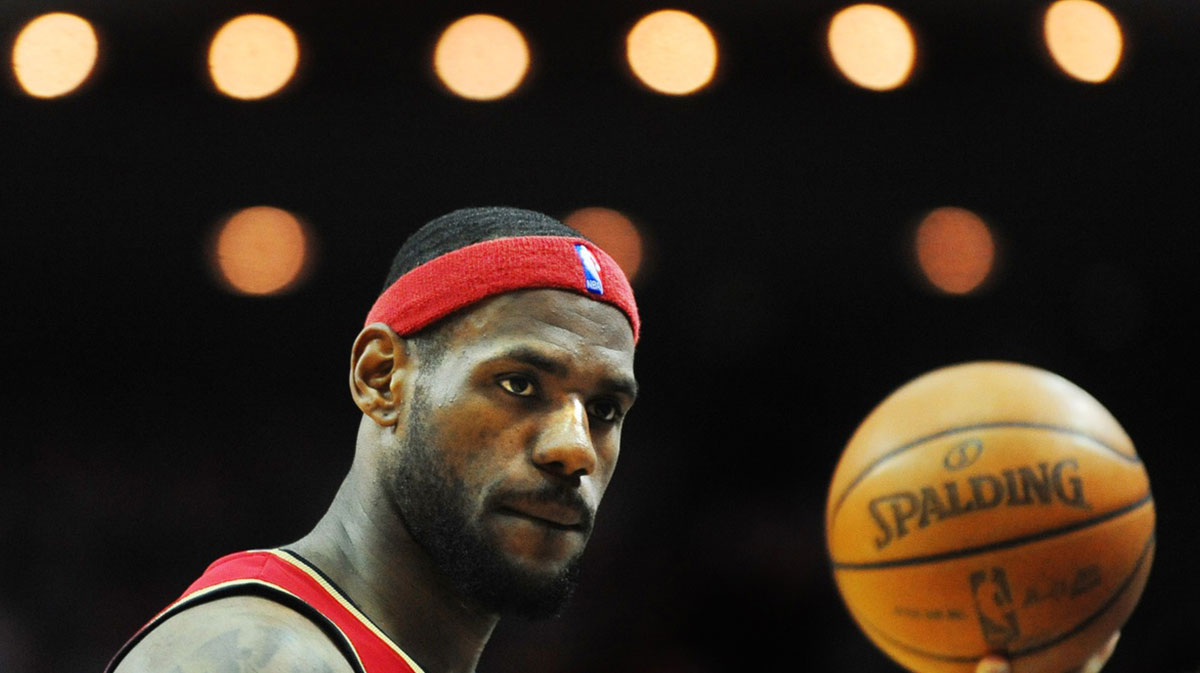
[[245, 634]]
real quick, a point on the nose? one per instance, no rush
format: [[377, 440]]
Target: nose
[[564, 445]]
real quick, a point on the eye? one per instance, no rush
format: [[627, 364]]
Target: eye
[[605, 410], [517, 385]]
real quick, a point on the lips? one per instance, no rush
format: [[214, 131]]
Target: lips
[[555, 515]]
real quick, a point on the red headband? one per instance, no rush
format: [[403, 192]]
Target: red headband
[[462, 277]]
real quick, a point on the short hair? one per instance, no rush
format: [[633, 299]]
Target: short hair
[[468, 226], [456, 230]]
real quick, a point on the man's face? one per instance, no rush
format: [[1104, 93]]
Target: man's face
[[509, 442]]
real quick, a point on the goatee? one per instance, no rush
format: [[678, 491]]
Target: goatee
[[434, 506]]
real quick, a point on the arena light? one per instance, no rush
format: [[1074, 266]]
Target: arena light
[[54, 54], [872, 46], [614, 232], [1084, 39], [955, 249], [253, 56], [481, 57], [261, 250], [672, 52]]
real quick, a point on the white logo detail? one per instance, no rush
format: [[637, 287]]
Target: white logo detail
[[591, 269]]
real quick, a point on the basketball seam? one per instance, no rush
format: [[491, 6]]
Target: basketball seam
[[969, 428], [1150, 543], [1087, 621], [1000, 544]]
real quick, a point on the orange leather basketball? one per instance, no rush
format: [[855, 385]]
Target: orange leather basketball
[[990, 507]]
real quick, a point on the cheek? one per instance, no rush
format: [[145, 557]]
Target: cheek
[[477, 440], [606, 466], [607, 454]]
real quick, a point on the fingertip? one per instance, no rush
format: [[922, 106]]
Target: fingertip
[[1112, 644], [1101, 657], [993, 664]]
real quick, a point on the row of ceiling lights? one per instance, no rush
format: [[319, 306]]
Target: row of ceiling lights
[[485, 57]]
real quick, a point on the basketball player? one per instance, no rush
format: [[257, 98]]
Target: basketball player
[[493, 375]]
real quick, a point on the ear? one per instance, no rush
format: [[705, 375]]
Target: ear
[[379, 369]]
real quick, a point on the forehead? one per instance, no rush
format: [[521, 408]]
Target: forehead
[[553, 319]]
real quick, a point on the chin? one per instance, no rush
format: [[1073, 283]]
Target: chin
[[535, 591], [542, 568]]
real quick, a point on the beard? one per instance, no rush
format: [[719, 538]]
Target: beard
[[435, 508]]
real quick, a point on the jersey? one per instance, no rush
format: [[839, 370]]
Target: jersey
[[285, 577]]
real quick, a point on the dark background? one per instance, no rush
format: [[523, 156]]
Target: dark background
[[154, 421]]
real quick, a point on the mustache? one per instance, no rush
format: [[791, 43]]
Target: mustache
[[548, 493]]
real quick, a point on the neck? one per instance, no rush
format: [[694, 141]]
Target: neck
[[363, 545]]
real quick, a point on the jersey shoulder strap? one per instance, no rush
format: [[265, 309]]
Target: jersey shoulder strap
[[287, 578]]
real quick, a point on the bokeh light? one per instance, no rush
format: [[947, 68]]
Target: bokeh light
[[872, 46], [481, 57], [261, 250], [253, 56], [955, 249], [1084, 39], [614, 233], [672, 52], [54, 54]]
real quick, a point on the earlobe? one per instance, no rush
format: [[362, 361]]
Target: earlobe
[[378, 365]]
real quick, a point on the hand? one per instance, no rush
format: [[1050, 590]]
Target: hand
[[996, 664]]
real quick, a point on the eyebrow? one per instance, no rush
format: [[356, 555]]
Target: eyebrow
[[555, 367]]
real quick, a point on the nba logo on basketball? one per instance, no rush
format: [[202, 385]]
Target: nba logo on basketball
[[591, 269]]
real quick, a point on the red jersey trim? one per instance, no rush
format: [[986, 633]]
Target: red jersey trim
[[336, 593], [246, 587], [289, 580]]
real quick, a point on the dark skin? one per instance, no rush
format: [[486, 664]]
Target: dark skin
[[532, 387]]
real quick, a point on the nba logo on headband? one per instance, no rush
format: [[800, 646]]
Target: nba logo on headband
[[591, 269]]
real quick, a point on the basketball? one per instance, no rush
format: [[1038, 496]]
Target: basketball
[[990, 508]]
